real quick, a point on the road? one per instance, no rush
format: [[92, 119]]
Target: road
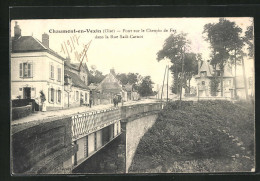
[[51, 115]]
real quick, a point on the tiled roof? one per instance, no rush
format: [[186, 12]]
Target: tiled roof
[[31, 44], [76, 81]]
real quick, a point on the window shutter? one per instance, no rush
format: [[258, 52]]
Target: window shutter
[[54, 95], [29, 70], [50, 69], [31, 73], [49, 94], [21, 70], [57, 96]]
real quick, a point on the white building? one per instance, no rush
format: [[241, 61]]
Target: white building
[[205, 76], [34, 68]]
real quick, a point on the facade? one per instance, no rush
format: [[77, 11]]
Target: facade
[[108, 88], [29, 57], [205, 75], [78, 93]]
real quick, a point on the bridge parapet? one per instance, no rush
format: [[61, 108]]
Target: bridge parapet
[[86, 123], [127, 111]]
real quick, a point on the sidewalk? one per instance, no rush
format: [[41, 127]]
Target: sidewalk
[[51, 115]]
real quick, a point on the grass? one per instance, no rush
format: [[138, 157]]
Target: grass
[[198, 137]]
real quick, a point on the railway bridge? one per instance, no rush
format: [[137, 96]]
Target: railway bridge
[[63, 145]]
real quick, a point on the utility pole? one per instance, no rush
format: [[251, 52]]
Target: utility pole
[[182, 52], [167, 82], [163, 81]]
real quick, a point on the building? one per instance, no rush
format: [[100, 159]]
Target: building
[[108, 88], [78, 94], [206, 74], [34, 68]]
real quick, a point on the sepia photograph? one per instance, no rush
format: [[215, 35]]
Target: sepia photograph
[[132, 95]]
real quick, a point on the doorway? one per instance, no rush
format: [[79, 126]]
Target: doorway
[[27, 92]]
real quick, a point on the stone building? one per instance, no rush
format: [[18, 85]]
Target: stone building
[[205, 75]]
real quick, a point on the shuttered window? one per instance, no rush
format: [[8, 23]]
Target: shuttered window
[[26, 70], [51, 71], [51, 95]]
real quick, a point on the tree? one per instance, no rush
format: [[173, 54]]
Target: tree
[[249, 39], [146, 87], [223, 38], [174, 49], [95, 76]]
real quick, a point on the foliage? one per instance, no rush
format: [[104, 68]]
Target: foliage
[[194, 132], [249, 38], [224, 37], [174, 48], [146, 87], [130, 78], [95, 76], [214, 82]]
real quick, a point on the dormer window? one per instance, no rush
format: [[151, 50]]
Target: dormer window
[[203, 73]]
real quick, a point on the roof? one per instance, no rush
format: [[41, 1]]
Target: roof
[[76, 81], [128, 87], [205, 66], [31, 44], [110, 84]]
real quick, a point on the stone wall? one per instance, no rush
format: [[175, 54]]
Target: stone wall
[[134, 132], [43, 147]]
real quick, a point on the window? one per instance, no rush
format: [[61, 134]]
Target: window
[[51, 71], [203, 83], [59, 96], [203, 73], [25, 70], [51, 95], [59, 74]]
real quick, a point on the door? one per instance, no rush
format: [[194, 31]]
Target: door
[[27, 92]]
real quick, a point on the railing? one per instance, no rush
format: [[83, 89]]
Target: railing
[[86, 123]]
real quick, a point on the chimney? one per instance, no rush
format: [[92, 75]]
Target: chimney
[[17, 31], [112, 71], [45, 40]]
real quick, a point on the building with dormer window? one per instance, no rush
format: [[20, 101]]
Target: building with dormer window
[[206, 74]]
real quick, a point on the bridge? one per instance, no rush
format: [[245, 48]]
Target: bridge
[[64, 144]]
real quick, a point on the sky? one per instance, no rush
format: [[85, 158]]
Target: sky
[[129, 54]]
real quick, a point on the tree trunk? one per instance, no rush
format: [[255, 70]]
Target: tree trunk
[[182, 66], [221, 82], [244, 75]]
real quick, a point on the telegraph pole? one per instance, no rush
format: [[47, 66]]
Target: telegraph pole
[[167, 81], [163, 81]]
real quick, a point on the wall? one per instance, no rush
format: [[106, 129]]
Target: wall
[[134, 132], [42, 148]]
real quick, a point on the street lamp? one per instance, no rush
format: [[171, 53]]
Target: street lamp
[[67, 86]]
